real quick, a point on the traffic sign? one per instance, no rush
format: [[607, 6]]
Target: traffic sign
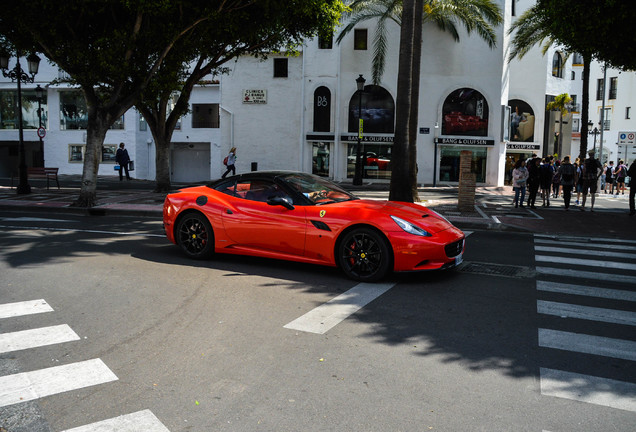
[[41, 132]]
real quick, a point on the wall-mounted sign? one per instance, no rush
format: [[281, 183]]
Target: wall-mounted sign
[[255, 96], [367, 138], [465, 141], [522, 146], [425, 130]]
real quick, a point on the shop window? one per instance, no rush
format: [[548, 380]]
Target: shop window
[[76, 152], [613, 90], [449, 163], [205, 116], [378, 110], [322, 110], [375, 159], [280, 68], [465, 112], [557, 65], [360, 39], [521, 121], [320, 158], [30, 118], [109, 151]]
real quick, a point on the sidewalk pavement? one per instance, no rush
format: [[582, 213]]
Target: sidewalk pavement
[[493, 206]]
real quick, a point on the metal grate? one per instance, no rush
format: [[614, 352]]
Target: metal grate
[[496, 269]]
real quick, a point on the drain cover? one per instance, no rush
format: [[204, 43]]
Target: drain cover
[[496, 269]]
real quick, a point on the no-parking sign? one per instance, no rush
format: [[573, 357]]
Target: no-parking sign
[[627, 138]]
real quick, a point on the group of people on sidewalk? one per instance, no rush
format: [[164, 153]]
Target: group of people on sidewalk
[[564, 177]]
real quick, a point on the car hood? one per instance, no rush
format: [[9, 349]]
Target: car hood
[[411, 212]]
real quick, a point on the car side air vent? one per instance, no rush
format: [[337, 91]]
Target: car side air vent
[[425, 215], [321, 225]]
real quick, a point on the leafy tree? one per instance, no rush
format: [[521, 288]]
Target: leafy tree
[[113, 49], [475, 15], [273, 24], [601, 27]]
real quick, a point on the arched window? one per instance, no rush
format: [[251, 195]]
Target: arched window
[[557, 65], [521, 121], [322, 110], [465, 112], [378, 110]]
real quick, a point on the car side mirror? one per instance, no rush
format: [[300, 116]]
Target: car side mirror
[[282, 201]]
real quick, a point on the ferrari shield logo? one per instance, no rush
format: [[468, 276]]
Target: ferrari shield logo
[[323, 213]]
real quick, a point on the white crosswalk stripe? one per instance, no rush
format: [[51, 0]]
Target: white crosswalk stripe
[[575, 269], [30, 386]]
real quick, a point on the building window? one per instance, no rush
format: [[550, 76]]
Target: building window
[[76, 152], [613, 87], [627, 112], [577, 59], [74, 114], [449, 163], [360, 39], [600, 90], [573, 75], [557, 65], [322, 109], [378, 110], [465, 112], [30, 119], [205, 116], [280, 68], [607, 117], [325, 42], [109, 151], [320, 159], [143, 124], [521, 121]]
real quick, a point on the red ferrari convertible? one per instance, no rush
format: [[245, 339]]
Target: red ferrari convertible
[[301, 217]]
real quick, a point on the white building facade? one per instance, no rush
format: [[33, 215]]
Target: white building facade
[[300, 112]]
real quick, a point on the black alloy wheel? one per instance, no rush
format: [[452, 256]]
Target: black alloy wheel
[[195, 236], [364, 255]]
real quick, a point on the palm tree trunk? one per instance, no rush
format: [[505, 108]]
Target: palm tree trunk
[[418, 16], [400, 188]]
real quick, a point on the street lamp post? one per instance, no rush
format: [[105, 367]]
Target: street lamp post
[[39, 93], [17, 74], [594, 132], [357, 176]]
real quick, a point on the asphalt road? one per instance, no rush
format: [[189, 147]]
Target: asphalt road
[[522, 337]]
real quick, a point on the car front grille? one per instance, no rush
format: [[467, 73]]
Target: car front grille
[[454, 249]]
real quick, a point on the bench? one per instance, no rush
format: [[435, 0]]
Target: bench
[[43, 173]]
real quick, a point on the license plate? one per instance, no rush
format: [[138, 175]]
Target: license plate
[[459, 259]]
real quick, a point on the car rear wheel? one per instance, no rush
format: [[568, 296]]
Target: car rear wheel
[[195, 236], [364, 255]]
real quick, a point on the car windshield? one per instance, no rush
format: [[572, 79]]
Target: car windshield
[[319, 191]]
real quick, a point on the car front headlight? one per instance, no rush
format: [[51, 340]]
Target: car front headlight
[[410, 228]]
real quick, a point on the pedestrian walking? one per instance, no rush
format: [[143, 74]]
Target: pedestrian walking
[[609, 177], [519, 178], [568, 180], [533, 180], [556, 180], [229, 162], [620, 172], [631, 172], [546, 172], [122, 158], [590, 170]]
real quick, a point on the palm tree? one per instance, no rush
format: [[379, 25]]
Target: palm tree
[[560, 103], [476, 15], [531, 29]]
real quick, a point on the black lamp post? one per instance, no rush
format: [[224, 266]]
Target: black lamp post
[[594, 132], [39, 93], [17, 74], [357, 177]]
